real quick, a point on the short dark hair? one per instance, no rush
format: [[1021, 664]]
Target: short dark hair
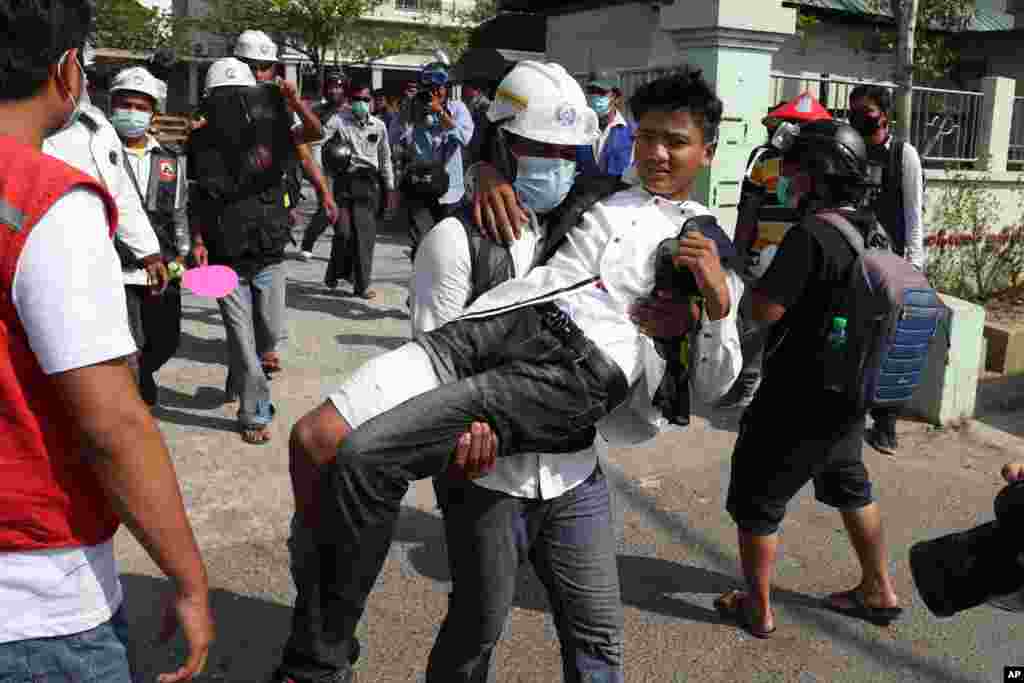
[[686, 90], [35, 33], [878, 94]]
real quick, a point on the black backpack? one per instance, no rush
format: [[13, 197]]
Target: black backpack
[[891, 314], [246, 146]]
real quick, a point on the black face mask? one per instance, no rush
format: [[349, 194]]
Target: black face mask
[[865, 123]]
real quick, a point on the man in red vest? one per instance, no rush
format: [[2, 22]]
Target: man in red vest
[[79, 450]]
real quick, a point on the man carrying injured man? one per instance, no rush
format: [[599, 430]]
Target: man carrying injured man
[[541, 359]]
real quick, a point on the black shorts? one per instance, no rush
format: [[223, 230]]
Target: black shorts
[[777, 453]]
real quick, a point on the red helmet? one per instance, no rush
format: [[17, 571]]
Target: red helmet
[[801, 109]]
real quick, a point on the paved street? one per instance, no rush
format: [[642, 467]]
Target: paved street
[[677, 548]]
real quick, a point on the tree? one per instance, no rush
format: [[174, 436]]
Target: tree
[[316, 29], [919, 36], [128, 25]]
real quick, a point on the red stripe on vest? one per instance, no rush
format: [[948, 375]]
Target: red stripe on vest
[[49, 497]]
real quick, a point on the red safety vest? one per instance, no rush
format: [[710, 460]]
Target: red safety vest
[[49, 496]]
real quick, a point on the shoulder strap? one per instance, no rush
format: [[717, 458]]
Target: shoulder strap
[[845, 228]]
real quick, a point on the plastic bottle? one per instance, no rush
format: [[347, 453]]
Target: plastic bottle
[[837, 335]]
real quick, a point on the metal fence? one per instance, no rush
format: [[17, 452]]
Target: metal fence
[[945, 125], [1016, 155]]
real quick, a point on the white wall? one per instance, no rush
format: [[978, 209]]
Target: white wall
[[610, 38], [829, 49]]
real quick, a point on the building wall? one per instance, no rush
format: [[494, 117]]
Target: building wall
[[616, 37], [829, 48]]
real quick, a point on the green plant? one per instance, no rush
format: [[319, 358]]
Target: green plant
[[969, 256]]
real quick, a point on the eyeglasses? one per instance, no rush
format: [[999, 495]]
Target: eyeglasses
[[531, 148], [362, 99], [261, 66]]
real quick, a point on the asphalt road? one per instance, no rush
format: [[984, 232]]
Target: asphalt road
[[677, 544]]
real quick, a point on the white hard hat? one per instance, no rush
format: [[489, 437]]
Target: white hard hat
[[257, 46], [138, 79], [229, 71], [543, 102]]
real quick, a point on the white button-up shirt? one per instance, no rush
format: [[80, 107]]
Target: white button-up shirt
[[92, 146], [368, 140], [442, 282]]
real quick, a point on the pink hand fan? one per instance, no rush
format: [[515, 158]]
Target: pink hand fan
[[212, 281]]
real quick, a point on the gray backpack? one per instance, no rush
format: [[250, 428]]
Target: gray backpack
[[891, 314]]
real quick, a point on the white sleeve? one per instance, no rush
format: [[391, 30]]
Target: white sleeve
[[442, 276], [68, 288], [913, 204], [717, 359]]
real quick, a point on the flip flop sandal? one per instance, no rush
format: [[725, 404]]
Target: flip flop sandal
[[732, 606], [858, 609], [255, 436]]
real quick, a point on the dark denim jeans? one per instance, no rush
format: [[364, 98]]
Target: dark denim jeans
[[99, 655], [539, 392], [571, 543]]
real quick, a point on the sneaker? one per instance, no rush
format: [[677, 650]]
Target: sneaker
[[305, 255], [881, 439], [741, 394]]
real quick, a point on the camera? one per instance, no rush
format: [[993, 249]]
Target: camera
[[965, 569]]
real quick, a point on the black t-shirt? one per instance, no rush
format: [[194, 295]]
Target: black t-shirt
[[812, 263]]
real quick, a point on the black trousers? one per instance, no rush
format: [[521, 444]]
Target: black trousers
[[155, 322], [540, 383], [316, 226], [355, 234]]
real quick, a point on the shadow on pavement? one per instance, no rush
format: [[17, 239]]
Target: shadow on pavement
[[248, 641], [317, 299], [647, 583], [186, 419], [805, 610], [205, 398], [727, 420], [388, 343], [202, 350]]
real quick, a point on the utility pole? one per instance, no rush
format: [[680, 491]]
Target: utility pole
[[905, 13]]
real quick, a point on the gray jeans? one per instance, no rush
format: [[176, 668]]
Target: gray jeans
[[254, 320]]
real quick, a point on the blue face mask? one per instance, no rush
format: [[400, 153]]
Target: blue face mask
[[601, 104], [129, 123], [782, 188], [543, 183]]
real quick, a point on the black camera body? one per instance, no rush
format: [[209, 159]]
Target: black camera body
[[968, 568]]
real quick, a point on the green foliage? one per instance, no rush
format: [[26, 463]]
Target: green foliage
[[969, 256], [455, 41], [129, 25], [933, 57]]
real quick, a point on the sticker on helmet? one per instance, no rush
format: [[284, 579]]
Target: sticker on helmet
[[167, 170], [566, 115], [516, 100], [230, 73]]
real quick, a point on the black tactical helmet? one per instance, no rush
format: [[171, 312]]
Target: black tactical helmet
[[829, 149], [336, 156]]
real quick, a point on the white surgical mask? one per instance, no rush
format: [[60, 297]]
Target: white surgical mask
[[543, 183], [80, 103], [130, 123]]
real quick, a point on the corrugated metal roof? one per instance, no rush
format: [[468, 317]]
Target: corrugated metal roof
[[984, 20]]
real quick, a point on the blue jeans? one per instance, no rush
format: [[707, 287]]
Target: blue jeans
[[530, 373], [99, 655], [570, 542], [254, 321]]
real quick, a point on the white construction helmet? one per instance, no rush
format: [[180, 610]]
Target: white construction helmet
[[229, 71], [138, 79], [543, 102], [257, 46]]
